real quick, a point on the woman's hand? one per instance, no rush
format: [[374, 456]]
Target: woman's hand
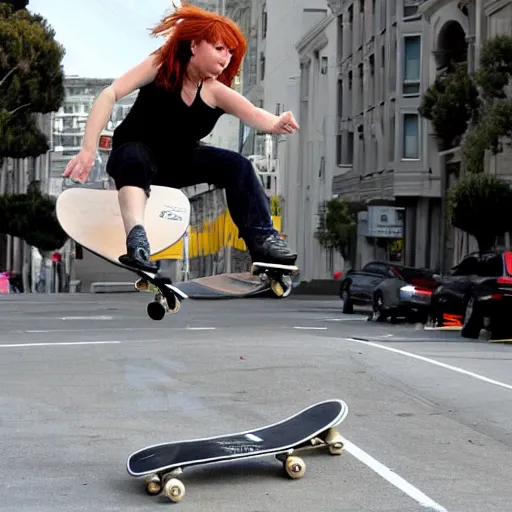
[[80, 166], [286, 124]]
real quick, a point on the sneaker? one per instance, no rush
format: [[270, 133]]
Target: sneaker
[[138, 252], [272, 249]]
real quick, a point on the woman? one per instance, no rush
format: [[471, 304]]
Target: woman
[[184, 89]]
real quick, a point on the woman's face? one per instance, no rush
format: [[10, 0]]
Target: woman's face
[[210, 59]]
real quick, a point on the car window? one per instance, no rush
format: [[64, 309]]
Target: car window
[[491, 266], [376, 268], [467, 267]]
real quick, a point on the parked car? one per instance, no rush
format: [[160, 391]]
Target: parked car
[[392, 290], [479, 291]]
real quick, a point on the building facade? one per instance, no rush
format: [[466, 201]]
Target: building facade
[[456, 31]]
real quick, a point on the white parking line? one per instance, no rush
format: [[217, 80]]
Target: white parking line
[[63, 343], [434, 362], [311, 328], [392, 477], [99, 317]]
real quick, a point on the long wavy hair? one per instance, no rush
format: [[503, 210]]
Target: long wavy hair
[[190, 23]]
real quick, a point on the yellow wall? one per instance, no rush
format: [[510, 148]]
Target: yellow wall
[[209, 238]]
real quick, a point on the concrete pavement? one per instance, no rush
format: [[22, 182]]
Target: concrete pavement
[[87, 379]]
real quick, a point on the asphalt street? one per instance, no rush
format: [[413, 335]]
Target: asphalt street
[[85, 380]]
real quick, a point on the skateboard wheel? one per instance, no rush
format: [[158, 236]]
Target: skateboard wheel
[[142, 285], [155, 310], [153, 485], [286, 283], [277, 288], [174, 490], [335, 442], [175, 305], [295, 467]]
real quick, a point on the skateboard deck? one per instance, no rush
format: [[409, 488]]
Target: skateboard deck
[[224, 286], [92, 218], [312, 427]]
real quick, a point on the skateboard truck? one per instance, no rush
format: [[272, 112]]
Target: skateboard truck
[[167, 298], [279, 276]]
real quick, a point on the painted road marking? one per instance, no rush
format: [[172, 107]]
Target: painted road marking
[[392, 477], [434, 362], [311, 328], [57, 344]]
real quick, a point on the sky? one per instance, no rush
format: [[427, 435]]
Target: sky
[[103, 38]]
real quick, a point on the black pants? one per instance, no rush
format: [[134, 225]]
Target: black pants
[[133, 164]]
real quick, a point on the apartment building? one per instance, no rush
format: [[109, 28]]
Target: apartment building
[[358, 91], [456, 31]]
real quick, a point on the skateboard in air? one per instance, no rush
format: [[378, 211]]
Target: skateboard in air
[[92, 218], [161, 465], [279, 277]]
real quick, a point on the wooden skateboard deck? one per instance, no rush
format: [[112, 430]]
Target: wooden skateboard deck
[[312, 427], [92, 218]]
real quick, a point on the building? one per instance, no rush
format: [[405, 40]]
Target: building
[[456, 30], [358, 91], [364, 69], [68, 127]]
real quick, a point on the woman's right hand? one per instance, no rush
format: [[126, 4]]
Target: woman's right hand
[[80, 166]]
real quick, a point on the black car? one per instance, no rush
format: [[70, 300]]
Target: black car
[[478, 291], [392, 290]]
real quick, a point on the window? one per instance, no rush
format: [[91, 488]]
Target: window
[[411, 146], [411, 7], [264, 22], [339, 50], [491, 266], [262, 66], [467, 267], [412, 65]]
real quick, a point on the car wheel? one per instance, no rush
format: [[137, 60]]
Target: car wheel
[[348, 306], [378, 306], [472, 323]]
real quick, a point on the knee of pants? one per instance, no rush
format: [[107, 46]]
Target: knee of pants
[[241, 167], [131, 165]]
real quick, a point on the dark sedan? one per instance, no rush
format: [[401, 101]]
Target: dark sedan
[[478, 291], [392, 290]]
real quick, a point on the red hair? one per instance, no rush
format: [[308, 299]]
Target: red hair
[[190, 23]]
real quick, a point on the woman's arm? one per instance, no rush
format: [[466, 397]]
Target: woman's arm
[[103, 106], [235, 104]]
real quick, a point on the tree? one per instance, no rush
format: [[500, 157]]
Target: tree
[[481, 205], [338, 226], [493, 124], [31, 216], [450, 103], [31, 81]]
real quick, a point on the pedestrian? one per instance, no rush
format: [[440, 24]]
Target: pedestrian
[[184, 88]]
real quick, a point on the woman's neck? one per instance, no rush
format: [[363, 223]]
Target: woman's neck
[[192, 76]]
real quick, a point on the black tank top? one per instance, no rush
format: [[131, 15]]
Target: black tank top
[[165, 123]]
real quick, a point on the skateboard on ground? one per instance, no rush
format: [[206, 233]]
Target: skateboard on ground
[[279, 276], [92, 218], [313, 427]]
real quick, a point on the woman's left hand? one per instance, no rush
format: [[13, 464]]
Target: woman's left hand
[[286, 124]]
